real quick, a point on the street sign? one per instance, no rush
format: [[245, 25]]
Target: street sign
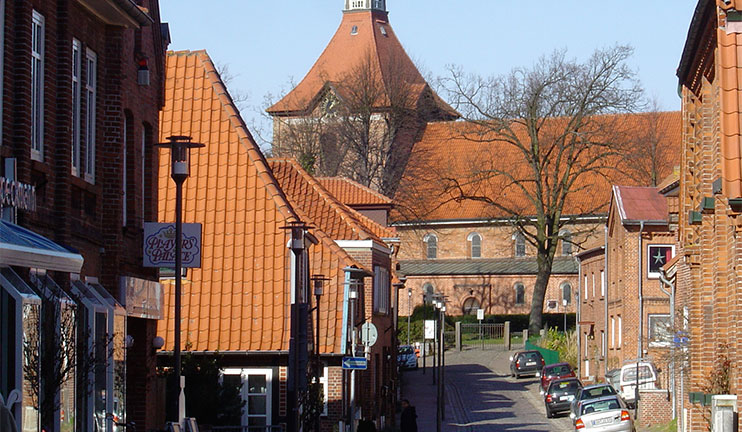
[[429, 329], [369, 334], [357, 363], [480, 314]]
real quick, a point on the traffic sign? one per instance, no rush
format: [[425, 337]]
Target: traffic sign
[[357, 363], [369, 334], [430, 329], [480, 314]]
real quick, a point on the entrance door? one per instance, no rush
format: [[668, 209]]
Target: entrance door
[[256, 392]]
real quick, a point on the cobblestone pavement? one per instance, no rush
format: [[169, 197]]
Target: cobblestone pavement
[[480, 396]]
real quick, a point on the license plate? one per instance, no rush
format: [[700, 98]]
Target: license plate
[[603, 421], [567, 398], [530, 363]]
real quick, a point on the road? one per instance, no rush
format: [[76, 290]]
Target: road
[[480, 396]]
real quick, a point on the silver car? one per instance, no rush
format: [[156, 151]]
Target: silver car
[[406, 357], [605, 414]]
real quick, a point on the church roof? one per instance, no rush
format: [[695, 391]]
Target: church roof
[[363, 37], [352, 193], [238, 300]]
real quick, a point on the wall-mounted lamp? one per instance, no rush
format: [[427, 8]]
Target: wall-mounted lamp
[[158, 342]]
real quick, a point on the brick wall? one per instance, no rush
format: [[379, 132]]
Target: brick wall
[[654, 407]]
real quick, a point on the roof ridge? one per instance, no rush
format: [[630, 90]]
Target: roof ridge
[[359, 185]]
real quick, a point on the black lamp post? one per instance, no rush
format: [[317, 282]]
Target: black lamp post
[[317, 281], [409, 313], [180, 170]]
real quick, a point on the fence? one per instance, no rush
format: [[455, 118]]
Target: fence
[[483, 336], [245, 429], [550, 356]]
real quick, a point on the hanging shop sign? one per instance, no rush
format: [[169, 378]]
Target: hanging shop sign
[[16, 194], [159, 245]]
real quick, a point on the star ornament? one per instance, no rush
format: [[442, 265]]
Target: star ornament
[[659, 258]]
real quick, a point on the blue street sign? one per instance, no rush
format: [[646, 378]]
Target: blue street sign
[[358, 363]]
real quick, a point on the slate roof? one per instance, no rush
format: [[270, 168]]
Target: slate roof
[[636, 204], [451, 151], [352, 193], [483, 266], [238, 300], [374, 39], [310, 198]]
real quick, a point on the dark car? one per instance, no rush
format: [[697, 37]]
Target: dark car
[[526, 363], [590, 392], [560, 394], [406, 357], [555, 371]]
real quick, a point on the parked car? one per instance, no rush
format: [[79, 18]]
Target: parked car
[[612, 377], [526, 363], [604, 414], [627, 379], [554, 371], [406, 357], [590, 392], [560, 394]]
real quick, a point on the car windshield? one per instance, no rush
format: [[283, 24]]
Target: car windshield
[[597, 392], [629, 373], [564, 386], [405, 350], [600, 405]]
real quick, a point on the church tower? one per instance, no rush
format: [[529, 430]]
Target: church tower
[[360, 107]]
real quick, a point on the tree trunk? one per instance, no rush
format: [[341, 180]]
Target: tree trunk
[[535, 321]]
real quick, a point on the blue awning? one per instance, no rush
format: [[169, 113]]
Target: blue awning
[[24, 248]]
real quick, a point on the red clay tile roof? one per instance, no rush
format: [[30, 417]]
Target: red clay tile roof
[[308, 196], [451, 150], [346, 51], [352, 193], [636, 204], [238, 300]]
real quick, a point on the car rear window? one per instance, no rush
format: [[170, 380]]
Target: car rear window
[[531, 356], [598, 392], [558, 370], [564, 386], [601, 405], [405, 350], [629, 374]]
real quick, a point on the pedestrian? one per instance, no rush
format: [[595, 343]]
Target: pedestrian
[[408, 421]]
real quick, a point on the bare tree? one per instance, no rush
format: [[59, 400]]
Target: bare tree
[[541, 138]]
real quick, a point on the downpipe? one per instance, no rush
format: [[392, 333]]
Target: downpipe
[[671, 293]]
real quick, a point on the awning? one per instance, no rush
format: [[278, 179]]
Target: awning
[[24, 248]]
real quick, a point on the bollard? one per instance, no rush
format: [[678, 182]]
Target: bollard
[[506, 335], [525, 337], [458, 335]]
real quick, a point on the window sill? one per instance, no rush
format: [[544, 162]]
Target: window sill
[[84, 185]]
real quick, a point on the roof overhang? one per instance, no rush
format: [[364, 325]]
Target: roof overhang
[[704, 11], [363, 244], [24, 248], [589, 251], [598, 218], [124, 13]]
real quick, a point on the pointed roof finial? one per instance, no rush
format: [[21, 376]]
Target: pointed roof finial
[[351, 5]]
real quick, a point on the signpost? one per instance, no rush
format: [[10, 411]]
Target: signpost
[[355, 363], [480, 317]]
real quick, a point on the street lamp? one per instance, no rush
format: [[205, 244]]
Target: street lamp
[[317, 281], [180, 169], [409, 313], [564, 303]]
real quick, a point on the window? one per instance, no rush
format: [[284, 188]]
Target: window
[[587, 339], [431, 246], [381, 290], [37, 86], [428, 291], [613, 332], [567, 292], [143, 168], [602, 283], [593, 275], [256, 391], [470, 306], [125, 179], [566, 242], [585, 284], [354, 30], [658, 256], [602, 343], [520, 294], [587, 368], [76, 104], [520, 244], [660, 332], [475, 245], [91, 62], [382, 29], [620, 331], [324, 382]]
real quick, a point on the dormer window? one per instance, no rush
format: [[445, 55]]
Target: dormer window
[[354, 30], [382, 29]]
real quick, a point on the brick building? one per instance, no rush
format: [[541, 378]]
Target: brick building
[[238, 301], [81, 94], [706, 276]]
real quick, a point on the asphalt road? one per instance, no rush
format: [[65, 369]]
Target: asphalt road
[[480, 396]]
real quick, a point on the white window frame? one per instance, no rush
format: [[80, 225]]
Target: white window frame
[[91, 83], [563, 286], [76, 105], [586, 288], [656, 275], [325, 383], [602, 343], [244, 391], [593, 275], [620, 331], [650, 319], [426, 240], [602, 283], [38, 34], [586, 372], [613, 332], [520, 244], [470, 238], [381, 290]]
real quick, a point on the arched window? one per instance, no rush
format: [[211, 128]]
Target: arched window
[[428, 292], [431, 246], [520, 294], [475, 245], [520, 244], [566, 242], [567, 292], [470, 306]]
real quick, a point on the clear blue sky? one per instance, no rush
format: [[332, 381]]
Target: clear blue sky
[[268, 43]]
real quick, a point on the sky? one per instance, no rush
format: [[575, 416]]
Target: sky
[[268, 44]]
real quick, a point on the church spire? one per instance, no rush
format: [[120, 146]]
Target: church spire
[[351, 5]]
